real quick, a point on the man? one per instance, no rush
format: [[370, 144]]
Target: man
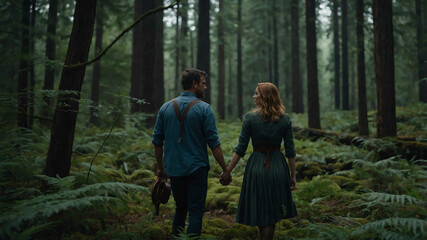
[[186, 159]]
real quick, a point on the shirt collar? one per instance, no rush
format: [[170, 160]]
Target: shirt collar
[[188, 94]]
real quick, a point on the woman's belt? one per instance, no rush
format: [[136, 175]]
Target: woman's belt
[[267, 150]]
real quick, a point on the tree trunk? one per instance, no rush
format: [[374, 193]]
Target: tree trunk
[[384, 68], [184, 33], [177, 48], [344, 33], [239, 60], [149, 85], [49, 73], [191, 49], [297, 98], [337, 88], [32, 54], [64, 120], [312, 83], [361, 80], [204, 44], [159, 60], [221, 63], [97, 66], [276, 47], [287, 71], [23, 66], [230, 89], [422, 48], [270, 57], [137, 52]]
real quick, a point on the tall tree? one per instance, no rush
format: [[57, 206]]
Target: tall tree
[[337, 88], [148, 89], [64, 120], [137, 52], [49, 73], [312, 82], [184, 32], [230, 89], [384, 68], [177, 49], [422, 48], [361, 80], [287, 70], [239, 59], [275, 46], [344, 34], [96, 75], [204, 44], [31, 95], [23, 66], [221, 61], [270, 57], [159, 95], [297, 100]]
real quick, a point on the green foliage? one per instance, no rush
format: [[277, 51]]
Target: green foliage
[[394, 228], [317, 187]]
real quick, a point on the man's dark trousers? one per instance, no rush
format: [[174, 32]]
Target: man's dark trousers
[[189, 193]]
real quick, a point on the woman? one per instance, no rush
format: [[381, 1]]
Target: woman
[[266, 195]]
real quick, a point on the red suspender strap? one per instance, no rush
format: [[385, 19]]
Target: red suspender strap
[[182, 118]]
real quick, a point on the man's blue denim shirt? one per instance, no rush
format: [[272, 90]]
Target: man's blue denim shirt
[[181, 159]]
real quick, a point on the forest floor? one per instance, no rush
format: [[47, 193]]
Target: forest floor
[[368, 191]]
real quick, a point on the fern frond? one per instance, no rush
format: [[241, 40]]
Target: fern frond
[[416, 226], [393, 198]]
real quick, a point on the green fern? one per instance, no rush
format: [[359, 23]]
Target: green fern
[[26, 212], [393, 198], [402, 225]]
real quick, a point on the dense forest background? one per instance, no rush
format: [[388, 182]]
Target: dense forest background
[[81, 82]]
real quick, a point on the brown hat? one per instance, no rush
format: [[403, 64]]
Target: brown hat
[[160, 193]]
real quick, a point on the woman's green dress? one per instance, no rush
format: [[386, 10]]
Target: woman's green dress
[[266, 196]]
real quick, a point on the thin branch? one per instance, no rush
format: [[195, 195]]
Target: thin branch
[[103, 51], [105, 140]]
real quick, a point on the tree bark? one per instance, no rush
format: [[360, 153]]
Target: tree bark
[[270, 57], [204, 44], [422, 48], [177, 48], [149, 85], [287, 70], [297, 96], [276, 47], [221, 63], [184, 33], [23, 66], [31, 95], [361, 80], [159, 61], [344, 33], [64, 120], [239, 60], [230, 89], [49, 73], [337, 88], [99, 32], [137, 52], [312, 82], [384, 68]]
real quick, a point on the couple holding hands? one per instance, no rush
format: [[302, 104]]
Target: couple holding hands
[[186, 125]]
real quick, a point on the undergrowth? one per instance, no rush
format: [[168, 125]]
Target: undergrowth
[[343, 192]]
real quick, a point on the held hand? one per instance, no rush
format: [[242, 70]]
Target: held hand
[[293, 183], [225, 178], [162, 174]]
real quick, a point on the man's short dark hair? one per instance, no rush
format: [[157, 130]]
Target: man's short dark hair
[[190, 75]]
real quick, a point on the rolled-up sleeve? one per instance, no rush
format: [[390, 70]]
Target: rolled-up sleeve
[[245, 135], [288, 140], [209, 128], [158, 133]]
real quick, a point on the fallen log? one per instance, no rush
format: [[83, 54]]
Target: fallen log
[[407, 146]]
